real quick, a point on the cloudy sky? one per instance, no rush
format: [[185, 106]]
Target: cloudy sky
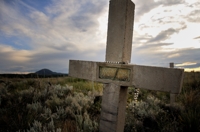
[[36, 34]]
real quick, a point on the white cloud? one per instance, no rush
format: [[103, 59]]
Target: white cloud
[[186, 64], [174, 55]]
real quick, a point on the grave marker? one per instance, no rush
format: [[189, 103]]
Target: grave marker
[[117, 74]]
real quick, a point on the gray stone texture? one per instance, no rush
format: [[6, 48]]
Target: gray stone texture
[[113, 108], [144, 77], [172, 96], [118, 49], [120, 31], [158, 78], [83, 69]]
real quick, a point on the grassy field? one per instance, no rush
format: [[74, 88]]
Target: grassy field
[[73, 105]]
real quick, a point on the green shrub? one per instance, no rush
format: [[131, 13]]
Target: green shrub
[[51, 105], [50, 108]]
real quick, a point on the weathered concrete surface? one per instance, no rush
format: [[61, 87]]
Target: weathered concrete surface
[[113, 108], [118, 49], [119, 45], [172, 96], [120, 31], [122, 108], [144, 77], [83, 69], [90, 70], [114, 73], [158, 78]]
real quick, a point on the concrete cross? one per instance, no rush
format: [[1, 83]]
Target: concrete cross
[[116, 74]]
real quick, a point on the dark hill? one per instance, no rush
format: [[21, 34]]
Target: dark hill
[[45, 72], [41, 74], [49, 73]]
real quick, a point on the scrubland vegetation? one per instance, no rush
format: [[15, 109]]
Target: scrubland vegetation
[[67, 104]]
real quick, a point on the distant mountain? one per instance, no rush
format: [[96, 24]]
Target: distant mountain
[[41, 73], [47, 72]]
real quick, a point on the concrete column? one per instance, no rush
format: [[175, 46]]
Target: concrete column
[[113, 108], [120, 31], [119, 45], [172, 96]]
